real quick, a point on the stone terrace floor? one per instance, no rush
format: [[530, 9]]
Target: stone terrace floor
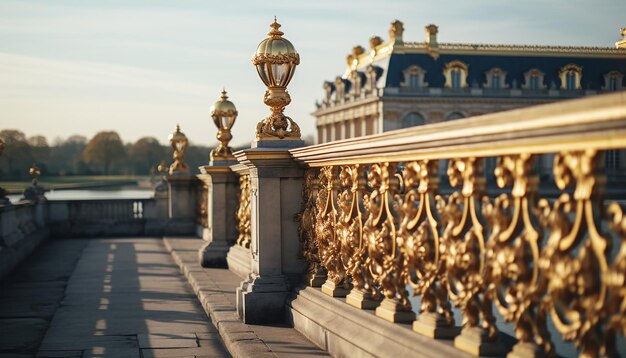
[[103, 297]]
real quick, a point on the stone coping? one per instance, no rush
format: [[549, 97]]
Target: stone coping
[[346, 331], [239, 338], [215, 288]]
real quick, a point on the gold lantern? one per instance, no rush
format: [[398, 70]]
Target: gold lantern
[[224, 115], [179, 142], [276, 60]]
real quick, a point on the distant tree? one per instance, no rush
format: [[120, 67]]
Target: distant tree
[[145, 153], [41, 152], [65, 156], [104, 150], [17, 156]]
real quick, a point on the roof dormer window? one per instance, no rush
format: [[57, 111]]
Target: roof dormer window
[[455, 73], [613, 81], [496, 79], [414, 77], [533, 80], [570, 76]]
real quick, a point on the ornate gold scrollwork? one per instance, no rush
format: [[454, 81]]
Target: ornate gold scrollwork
[[419, 235], [349, 231], [387, 261], [328, 244], [306, 229], [203, 203], [575, 256], [243, 216], [616, 281], [513, 254], [465, 256]]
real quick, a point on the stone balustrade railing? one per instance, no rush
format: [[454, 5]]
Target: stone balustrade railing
[[22, 228], [118, 217], [374, 222]]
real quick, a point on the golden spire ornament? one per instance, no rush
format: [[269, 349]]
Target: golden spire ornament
[[178, 141], [224, 114], [276, 60]]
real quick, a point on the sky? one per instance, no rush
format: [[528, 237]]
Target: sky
[[140, 67]]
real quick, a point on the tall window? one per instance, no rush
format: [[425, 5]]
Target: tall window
[[496, 78], [570, 80], [533, 80], [411, 120], [571, 75], [414, 77], [455, 73], [613, 81]]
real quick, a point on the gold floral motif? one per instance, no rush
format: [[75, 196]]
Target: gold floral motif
[[387, 261], [349, 229], [575, 255], [513, 252], [203, 202], [307, 220], [243, 216], [463, 245], [328, 245], [616, 281], [418, 236]]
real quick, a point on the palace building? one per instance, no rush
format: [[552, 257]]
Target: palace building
[[397, 84]]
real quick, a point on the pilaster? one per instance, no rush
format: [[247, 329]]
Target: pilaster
[[275, 181], [221, 204], [182, 204]]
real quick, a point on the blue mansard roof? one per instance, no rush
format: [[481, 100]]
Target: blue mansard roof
[[593, 68], [393, 58]]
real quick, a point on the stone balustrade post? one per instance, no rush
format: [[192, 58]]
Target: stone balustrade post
[[276, 185], [221, 204], [182, 204]]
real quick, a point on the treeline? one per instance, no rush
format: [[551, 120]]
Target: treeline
[[104, 154]]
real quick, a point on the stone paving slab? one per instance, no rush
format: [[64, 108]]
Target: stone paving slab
[[215, 288], [31, 294], [126, 298]]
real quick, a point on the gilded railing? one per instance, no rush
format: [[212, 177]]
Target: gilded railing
[[243, 213], [375, 219], [203, 205]]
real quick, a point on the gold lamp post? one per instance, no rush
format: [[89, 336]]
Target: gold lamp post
[[276, 60], [224, 115], [179, 142]]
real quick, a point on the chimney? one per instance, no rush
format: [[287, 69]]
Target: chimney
[[395, 32], [431, 40]]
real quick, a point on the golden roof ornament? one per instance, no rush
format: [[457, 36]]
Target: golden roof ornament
[[224, 114], [178, 141], [276, 60]]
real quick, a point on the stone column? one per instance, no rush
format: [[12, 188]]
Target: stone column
[[276, 185], [182, 204], [221, 204]]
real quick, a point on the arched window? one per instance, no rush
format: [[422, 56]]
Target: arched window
[[455, 73], [454, 115], [613, 81], [496, 78], [570, 77], [412, 119], [533, 80], [414, 77]]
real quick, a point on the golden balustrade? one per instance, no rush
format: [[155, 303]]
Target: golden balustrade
[[243, 213], [203, 205], [375, 219]]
